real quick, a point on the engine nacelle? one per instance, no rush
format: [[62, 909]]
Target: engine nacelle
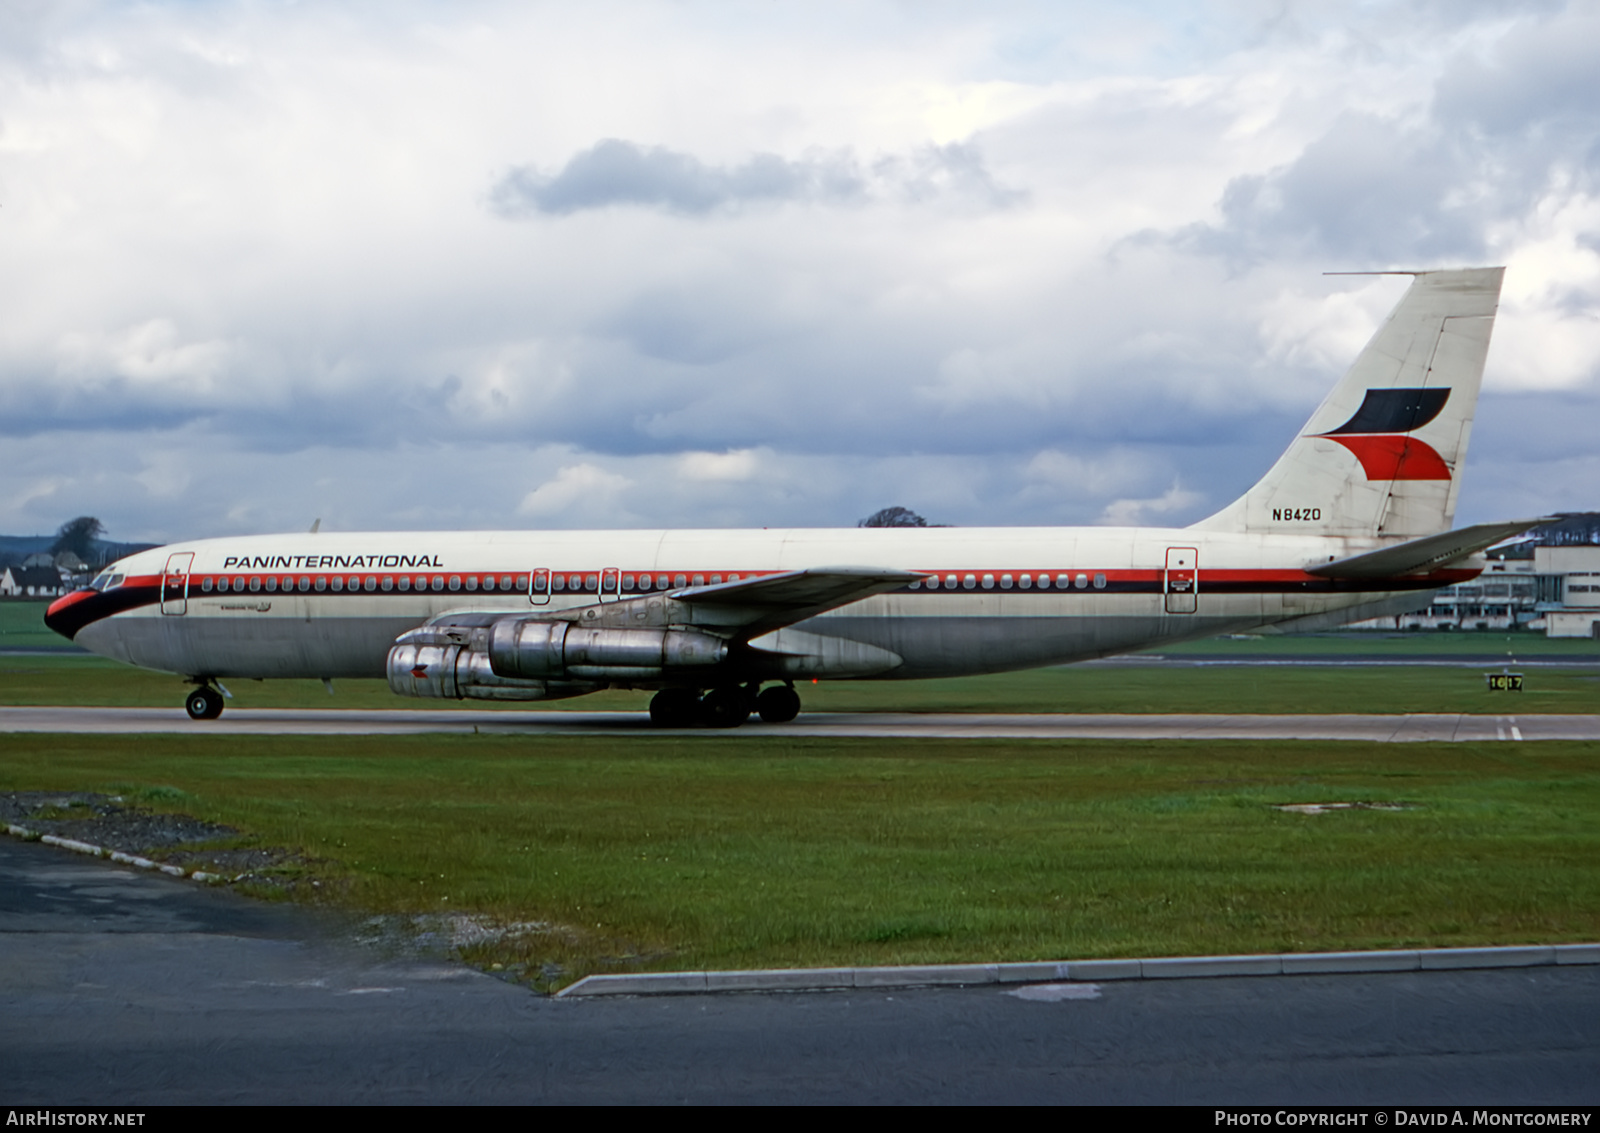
[[525, 649], [424, 664]]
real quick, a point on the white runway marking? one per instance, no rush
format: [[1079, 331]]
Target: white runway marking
[[1453, 727]]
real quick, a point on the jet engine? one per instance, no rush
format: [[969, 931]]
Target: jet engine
[[527, 659], [535, 650]]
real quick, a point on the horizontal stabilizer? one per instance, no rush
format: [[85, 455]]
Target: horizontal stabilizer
[[1422, 555]]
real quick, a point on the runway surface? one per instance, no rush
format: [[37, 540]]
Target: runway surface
[[824, 725], [127, 989]]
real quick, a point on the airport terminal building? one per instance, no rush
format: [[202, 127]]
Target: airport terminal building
[[1557, 590]]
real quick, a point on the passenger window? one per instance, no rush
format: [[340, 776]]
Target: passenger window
[[1081, 582], [305, 583], [438, 582], [558, 582], [715, 579], [699, 580], [1099, 582], [591, 582], [1062, 581], [405, 583], [272, 584], [320, 584], [1026, 582], [505, 583], [372, 582], [988, 582], [205, 585], [337, 582], [627, 582], [519, 583], [255, 585], [488, 582], [472, 582], [680, 580], [387, 583], [455, 582], [1005, 582]]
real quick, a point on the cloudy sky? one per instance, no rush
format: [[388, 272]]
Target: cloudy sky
[[429, 265]]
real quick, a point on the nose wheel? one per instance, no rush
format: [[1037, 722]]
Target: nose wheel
[[204, 703]]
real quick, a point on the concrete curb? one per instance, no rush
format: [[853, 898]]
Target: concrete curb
[[1098, 971], [110, 855]]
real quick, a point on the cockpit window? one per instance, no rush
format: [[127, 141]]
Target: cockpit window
[[105, 580]]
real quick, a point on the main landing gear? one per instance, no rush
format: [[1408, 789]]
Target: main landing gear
[[726, 706], [203, 703]]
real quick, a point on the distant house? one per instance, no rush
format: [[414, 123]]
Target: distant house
[[32, 582]]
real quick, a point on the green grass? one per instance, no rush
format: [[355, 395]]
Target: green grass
[[22, 626], [73, 680], [686, 852]]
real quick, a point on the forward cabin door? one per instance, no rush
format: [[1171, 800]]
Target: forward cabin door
[[175, 583], [1182, 580], [539, 586]]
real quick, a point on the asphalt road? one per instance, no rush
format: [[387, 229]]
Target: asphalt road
[[123, 988], [931, 725]]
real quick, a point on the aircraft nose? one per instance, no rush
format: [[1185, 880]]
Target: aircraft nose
[[66, 614]]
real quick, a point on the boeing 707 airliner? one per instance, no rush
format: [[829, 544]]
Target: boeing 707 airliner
[[1353, 521]]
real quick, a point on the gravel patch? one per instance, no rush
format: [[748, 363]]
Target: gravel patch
[[113, 822]]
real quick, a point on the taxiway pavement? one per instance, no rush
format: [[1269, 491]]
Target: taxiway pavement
[[126, 989]]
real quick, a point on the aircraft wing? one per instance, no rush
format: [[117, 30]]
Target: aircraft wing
[[1425, 554], [756, 606]]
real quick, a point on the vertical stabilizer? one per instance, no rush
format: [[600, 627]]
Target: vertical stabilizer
[[1382, 455]]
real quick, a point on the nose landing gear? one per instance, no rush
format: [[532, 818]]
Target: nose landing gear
[[203, 703]]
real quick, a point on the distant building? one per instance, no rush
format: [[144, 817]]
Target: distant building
[[1571, 608], [32, 582]]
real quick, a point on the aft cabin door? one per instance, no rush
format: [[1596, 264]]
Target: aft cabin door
[[175, 583], [610, 584], [1182, 580], [539, 587]]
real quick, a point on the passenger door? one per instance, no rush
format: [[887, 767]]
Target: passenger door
[[175, 583], [1181, 583]]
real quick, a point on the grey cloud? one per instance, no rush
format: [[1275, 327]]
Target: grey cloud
[[1542, 76], [1368, 192], [615, 172], [1374, 191]]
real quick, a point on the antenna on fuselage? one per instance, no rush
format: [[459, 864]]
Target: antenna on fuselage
[[316, 523]]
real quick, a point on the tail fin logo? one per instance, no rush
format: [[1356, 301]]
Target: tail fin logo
[[1376, 434]]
